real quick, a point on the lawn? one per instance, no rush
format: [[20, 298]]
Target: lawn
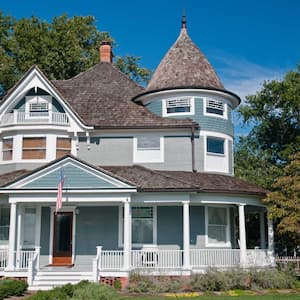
[[214, 297]]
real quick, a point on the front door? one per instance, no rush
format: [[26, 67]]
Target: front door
[[62, 239]]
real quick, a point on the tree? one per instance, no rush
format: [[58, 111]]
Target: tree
[[284, 201], [62, 48], [275, 113]]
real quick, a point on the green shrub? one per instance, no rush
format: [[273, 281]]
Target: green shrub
[[272, 279], [10, 287], [55, 294], [140, 284], [95, 291], [118, 284]]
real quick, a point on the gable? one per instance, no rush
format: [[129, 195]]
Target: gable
[[77, 174]]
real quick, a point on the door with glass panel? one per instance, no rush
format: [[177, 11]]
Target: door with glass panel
[[62, 238]]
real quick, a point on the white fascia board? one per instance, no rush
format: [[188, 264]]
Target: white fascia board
[[70, 199], [214, 198], [35, 79], [68, 191], [160, 197]]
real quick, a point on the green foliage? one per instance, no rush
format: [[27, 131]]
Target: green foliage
[[213, 280], [62, 48], [275, 113], [117, 284], [95, 291], [10, 287], [284, 201]]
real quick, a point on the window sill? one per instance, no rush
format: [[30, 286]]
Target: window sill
[[215, 115], [216, 154]]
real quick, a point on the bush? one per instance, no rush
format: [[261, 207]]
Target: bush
[[95, 291], [10, 287]]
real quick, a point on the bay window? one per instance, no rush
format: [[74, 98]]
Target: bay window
[[7, 148], [63, 146], [34, 148]]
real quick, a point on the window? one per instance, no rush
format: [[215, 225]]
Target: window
[[215, 108], [34, 148], [7, 148], [4, 225], [38, 109], [63, 147], [29, 227], [148, 148], [142, 225], [215, 145], [148, 143], [217, 226], [178, 106]]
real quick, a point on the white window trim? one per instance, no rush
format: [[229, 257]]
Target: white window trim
[[121, 224], [2, 149], [32, 99], [191, 112], [145, 157], [225, 112], [227, 244], [206, 134], [214, 153]]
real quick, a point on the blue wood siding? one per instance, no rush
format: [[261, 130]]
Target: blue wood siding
[[45, 230], [206, 122], [96, 226], [74, 178], [197, 223], [169, 225]]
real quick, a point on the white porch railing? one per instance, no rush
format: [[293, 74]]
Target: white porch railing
[[111, 260], [258, 257], [156, 259], [3, 258], [33, 265], [200, 258], [23, 258], [18, 117]]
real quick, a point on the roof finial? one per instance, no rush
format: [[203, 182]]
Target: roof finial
[[183, 19]]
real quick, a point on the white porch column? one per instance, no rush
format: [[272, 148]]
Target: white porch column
[[242, 230], [127, 234], [12, 236], [262, 229], [186, 234], [271, 242]]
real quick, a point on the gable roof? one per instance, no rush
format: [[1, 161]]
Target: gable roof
[[184, 65], [102, 95]]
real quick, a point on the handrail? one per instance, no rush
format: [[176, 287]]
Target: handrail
[[33, 265], [97, 263]]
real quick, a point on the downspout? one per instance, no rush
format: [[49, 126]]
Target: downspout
[[193, 149]]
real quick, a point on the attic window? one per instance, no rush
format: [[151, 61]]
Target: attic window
[[38, 109], [215, 108], [178, 106]]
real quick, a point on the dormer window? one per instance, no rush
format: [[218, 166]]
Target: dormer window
[[215, 108], [178, 106]]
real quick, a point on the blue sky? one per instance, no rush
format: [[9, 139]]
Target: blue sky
[[246, 41]]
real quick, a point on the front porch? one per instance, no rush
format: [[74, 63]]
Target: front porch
[[166, 239]]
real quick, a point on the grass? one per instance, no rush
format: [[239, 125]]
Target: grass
[[215, 297]]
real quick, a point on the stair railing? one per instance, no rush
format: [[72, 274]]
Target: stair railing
[[97, 263], [33, 265]]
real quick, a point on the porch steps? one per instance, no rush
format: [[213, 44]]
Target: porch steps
[[46, 280]]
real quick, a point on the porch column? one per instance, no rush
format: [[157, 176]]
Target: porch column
[[242, 231], [127, 234], [271, 242], [262, 229], [186, 234], [12, 236]]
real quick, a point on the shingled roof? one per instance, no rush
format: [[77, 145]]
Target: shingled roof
[[184, 65], [102, 95], [154, 180]]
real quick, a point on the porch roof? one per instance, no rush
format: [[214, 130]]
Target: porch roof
[[147, 180]]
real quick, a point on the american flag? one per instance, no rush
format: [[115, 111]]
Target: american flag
[[59, 190]]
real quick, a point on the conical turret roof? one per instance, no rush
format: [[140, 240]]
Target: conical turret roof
[[184, 65]]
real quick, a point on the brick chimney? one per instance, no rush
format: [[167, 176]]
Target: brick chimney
[[106, 54]]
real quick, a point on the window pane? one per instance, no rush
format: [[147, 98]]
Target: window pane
[[216, 234], [215, 145], [214, 107], [4, 224], [64, 143], [217, 216], [34, 154], [142, 231], [149, 142], [142, 212], [29, 226], [7, 144], [34, 142], [178, 105]]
